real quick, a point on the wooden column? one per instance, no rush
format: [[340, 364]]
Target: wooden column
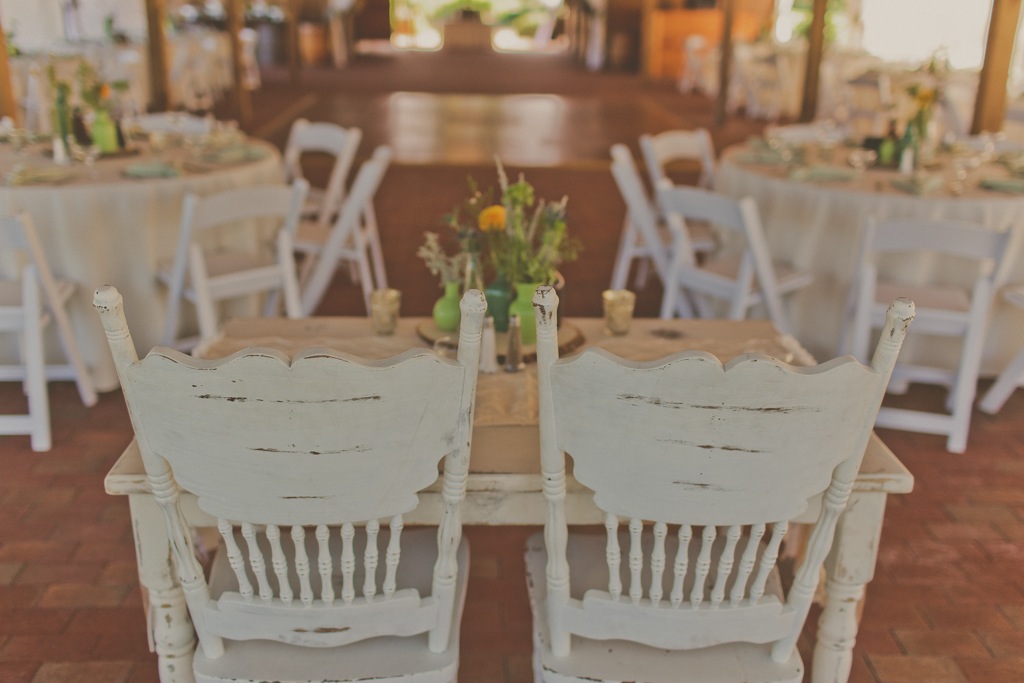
[[8, 107], [242, 102], [990, 105], [815, 50], [291, 40], [724, 67], [159, 90]]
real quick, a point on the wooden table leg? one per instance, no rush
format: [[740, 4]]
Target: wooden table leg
[[171, 633], [849, 567]]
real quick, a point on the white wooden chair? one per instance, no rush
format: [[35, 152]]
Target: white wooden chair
[[645, 236], [1013, 375], [329, 451], [704, 466], [206, 275], [742, 280], [353, 238], [944, 310], [869, 104], [306, 137], [28, 303]]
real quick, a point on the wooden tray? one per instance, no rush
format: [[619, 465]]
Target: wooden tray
[[570, 338]]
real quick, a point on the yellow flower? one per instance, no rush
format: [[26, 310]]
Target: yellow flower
[[925, 97], [492, 218], [104, 91]]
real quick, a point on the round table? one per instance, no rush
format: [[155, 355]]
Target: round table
[[817, 226], [105, 228]]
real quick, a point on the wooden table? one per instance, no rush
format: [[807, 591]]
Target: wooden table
[[504, 485]]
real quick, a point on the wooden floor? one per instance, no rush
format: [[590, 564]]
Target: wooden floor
[[947, 602]]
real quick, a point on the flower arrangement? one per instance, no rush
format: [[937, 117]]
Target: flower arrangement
[[517, 238], [96, 93], [451, 268]]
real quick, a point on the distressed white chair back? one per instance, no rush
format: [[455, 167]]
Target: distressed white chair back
[[353, 238], [30, 300], [698, 468], [308, 464], [670, 146], [306, 137], [206, 275], [947, 307], [743, 280]]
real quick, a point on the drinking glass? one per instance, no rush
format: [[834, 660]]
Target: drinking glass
[[618, 310], [384, 306]]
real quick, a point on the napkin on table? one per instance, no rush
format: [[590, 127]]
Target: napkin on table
[[39, 175], [917, 184], [150, 169], [1011, 185], [828, 174]]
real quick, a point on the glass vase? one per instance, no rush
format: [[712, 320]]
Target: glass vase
[[522, 306], [499, 297], [446, 310], [104, 132]]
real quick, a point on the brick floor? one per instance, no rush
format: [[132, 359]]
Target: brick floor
[[946, 604]]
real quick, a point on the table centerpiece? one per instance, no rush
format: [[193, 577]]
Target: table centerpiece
[[515, 243]]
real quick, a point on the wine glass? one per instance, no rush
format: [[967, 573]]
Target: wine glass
[[87, 154]]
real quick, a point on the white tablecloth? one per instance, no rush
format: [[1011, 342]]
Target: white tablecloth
[[817, 226], [115, 230]]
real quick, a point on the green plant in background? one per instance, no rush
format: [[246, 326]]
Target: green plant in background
[[806, 8]]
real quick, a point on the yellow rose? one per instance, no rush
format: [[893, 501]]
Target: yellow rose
[[925, 97], [492, 218]]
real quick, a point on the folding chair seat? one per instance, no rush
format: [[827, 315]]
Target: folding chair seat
[[351, 238], [699, 469], [945, 309], [645, 237], [741, 280], [28, 304], [205, 275], [308, 465]]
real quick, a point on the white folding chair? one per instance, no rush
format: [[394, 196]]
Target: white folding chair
[[697, 53], [208, 275], [645, 236], [27, 305], [742, 280], [305, 137], [329, 451], [944, 309], [1013, 375], [352, 238], [671, 146], [699, 469]]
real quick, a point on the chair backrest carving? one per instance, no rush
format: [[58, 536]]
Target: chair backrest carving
[[326, 448], [704, 465]]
